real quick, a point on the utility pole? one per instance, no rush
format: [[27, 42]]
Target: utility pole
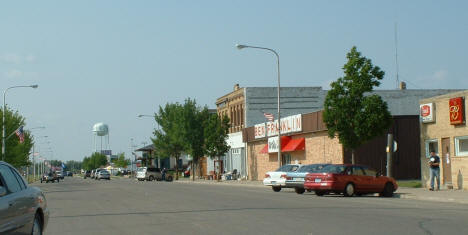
[[389, 154]]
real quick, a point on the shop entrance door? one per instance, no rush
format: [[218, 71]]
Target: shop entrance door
[[446, 162]]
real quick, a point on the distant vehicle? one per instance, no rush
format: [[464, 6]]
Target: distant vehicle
[[50, 177], [86, 174], [23, 209], [296, 179], [103, 174], [149, 173], [277, 179], [60, 174], [350, 180], [69, 174]]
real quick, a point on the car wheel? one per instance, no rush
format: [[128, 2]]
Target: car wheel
[[319, 193], [349, 190], [309, 190], [299, 190], [37, 225], [388, 190], [151, 178], [169, 178], [276, 189]]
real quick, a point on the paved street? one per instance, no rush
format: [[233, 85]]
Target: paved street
[[124, 206]]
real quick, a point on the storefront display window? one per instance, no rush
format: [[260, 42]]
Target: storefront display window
[[461, 146], [431, 145]]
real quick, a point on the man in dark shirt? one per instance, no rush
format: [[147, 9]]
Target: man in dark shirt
[[434, 163]]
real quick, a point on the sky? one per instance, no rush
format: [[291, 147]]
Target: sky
[[108, 61]]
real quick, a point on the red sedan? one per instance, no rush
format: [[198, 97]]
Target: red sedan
[[349, 180]]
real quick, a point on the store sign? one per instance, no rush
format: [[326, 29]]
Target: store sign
[[457, 110], [260, 131], [273, 144], [289, 124], [426, 112]]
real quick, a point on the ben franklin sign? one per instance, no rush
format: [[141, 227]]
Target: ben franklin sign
[[457, 110]]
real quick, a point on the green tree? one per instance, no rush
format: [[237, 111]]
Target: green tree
[[96, 160], [350, 111], [121, 161], [17, 154], [193, 120], [169, 139], [216, 133]]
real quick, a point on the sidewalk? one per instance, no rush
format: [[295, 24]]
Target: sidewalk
[[444, 195]]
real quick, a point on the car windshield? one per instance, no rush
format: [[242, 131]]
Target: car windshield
[[337, 169], [311, 168], [141, 169]]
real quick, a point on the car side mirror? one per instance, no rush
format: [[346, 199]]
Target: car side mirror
[[3, 191], [377, 174]]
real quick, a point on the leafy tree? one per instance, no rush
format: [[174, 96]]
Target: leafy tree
[[95, 161], [216, 133], [17, 154], [121, 161], [350, 112], [194, 117], [73, 165], [169, 139]]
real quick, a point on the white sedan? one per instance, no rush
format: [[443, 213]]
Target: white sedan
[[277, 179]]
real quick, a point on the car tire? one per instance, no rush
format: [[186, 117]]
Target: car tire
[[37, 225], [169, 178], [299, 190], [309, 190], [349, 190], [151, 178], [388, 190], [319, 193], [276, 188]]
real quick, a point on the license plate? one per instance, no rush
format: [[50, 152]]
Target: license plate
[[318, 180], [273, 182], [299, 179]]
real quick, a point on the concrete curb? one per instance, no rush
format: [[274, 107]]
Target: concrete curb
[[222, 183]]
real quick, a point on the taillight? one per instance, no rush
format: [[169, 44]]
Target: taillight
[[267, 176], [330, 177], [283, 176], [289, 178]]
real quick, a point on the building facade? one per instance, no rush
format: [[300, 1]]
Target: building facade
[[444, 130]]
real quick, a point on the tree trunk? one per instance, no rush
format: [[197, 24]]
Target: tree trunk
[[353, 161], [177, 168], [192, 170], [219, 169]]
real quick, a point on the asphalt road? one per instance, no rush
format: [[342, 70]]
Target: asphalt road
[[124, 206]]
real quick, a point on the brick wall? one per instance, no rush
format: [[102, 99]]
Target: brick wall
[[442, 129], [318, 149]]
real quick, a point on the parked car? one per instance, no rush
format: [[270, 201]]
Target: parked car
[[94, 173], [69, 174], [277, 179], [149, 173], [350, 180], [296, 179], [103, 174], [23, 209], [87, 174]]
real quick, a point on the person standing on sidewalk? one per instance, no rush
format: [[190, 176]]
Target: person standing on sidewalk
[[435, 170]]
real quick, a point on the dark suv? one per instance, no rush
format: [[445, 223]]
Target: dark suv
[[87, 174]]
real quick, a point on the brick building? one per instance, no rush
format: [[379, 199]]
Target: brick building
[[444, 130]]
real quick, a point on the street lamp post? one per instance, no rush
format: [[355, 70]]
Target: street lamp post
[[3, 116], [240, 46]]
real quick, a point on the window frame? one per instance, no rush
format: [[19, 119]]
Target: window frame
[[9, 190], [458, 153], [426, 146]]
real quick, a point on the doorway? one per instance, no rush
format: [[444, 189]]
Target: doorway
[[446, 163]]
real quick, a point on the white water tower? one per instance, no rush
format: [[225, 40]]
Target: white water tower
[[101, 135]]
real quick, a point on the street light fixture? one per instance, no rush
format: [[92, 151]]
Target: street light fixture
[[240, 47], [4, 113]]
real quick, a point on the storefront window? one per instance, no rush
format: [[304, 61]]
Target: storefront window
[[431, 145], [286, 159], [461, 146]]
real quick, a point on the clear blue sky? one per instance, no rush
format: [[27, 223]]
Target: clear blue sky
[[108, 61]]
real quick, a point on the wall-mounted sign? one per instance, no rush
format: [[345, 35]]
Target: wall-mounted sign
[[260, 131], [457, 110], [426, 112], [289, 124], [273, 144]]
